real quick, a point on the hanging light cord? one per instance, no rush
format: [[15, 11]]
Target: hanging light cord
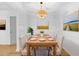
[[41, 4]]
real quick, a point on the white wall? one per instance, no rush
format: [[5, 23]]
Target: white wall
[[5, 34], [22, 30], [71, 42]]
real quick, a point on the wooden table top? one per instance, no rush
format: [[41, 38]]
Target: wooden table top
[[41, 40]]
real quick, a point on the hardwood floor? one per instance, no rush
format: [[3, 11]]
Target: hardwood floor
[[10, 50]]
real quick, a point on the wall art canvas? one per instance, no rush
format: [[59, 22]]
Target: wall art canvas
[[71, 22], [2, 24]]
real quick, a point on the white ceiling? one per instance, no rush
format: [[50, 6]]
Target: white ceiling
[[35, 6], [28, 6]]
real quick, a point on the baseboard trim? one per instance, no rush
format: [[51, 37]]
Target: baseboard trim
[[67, 51], [8, 44], [4, 44], [17, 50]]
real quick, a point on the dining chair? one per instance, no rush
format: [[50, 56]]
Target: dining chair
[[38, 48], [24, 46], [49, 48], [24, 51], [28, 36], [58, 48]]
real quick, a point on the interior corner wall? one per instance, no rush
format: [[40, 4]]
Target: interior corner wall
[[23, 24], [55, 26], [23, 20], [31, 20]]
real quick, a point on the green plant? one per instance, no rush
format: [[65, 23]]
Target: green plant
[[41, 31], [30, 30]]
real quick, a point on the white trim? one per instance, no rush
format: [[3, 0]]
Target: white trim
[[17, 50], [67, 51], [5, 44], [17, 35]]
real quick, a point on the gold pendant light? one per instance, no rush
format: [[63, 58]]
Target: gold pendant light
[[42, 13]]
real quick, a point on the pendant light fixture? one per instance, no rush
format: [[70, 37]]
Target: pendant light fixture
[[42, 13]]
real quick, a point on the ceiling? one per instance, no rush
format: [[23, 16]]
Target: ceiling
[[28, 6], [35, 6]]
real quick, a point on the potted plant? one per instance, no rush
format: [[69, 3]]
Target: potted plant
[[30, 30], [42, 33]]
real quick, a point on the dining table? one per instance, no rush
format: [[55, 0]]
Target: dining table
[[44, 41]]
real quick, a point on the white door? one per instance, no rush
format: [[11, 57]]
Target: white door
[[13, 29]]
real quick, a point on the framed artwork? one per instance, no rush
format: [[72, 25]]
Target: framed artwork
[[2, 24], [42, 24], [71, 22]]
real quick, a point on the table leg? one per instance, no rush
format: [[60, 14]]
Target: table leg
[[48, 51], [35, 51], [54, 50], [28, 50]]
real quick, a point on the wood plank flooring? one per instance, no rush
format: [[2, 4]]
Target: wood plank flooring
[[10, 50]]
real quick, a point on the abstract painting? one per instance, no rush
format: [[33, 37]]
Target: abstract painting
[[2, 24]]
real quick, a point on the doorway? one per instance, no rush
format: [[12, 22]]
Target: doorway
[[13, 30]]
